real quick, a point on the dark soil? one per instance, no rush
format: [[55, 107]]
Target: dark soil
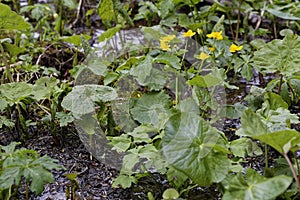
[[94, 178]]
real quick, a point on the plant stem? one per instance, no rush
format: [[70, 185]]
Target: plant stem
[[27, 197], [176, 90], [266, 157], [238, 21], [280, 84], [293, 170], [9, 76]]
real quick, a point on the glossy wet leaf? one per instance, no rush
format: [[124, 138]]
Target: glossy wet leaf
[[81, 99], [279, 56], [149, 107], [189, 146], [283, 141], [255, 186], [10, 20]]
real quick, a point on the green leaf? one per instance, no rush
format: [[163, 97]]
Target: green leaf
[[168, 59], [72, 4], [279, 56], [81, 99], [44, 87], [244, 146], [13, 50], [124, 180], [39, 177], [11, 20], [283, 141], [75, 39], [106, 10], [140, 133], [16, 92], [109, 33], [282, 15], [64, 118], [98, 67], [165, 7], [216, 77], [142, 70], [255, 187], [6, 122], [121, 143], [149, 107], [170, 193], [252, 124], [189, 146]]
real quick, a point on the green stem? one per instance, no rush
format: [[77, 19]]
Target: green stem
[[7, 66], [176, 90], [280, 84], [293, 170], [266, 157], [238, 21]]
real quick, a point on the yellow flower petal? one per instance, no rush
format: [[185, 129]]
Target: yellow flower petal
[[202, 56], [189, 33], [164, 45], [215, 35], [199, 31], [212, 49], [168, 38], [234, 48]]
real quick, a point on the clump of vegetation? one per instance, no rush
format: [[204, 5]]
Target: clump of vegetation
[[158, 106]]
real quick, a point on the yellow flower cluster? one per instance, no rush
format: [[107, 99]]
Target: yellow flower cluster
[[234, 48], [215, 35], [165, 42]]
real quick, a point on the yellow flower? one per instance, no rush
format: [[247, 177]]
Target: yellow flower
[[199, 31], [212, 49], [234, 48], [164, 42], [168, 38], [164, 45], [189, 33], [203, 56], [216, 35]]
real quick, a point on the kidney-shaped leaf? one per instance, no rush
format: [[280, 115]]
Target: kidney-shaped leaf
[[81, 99], [149, 107], [279, 56], [256, 187], [188, 145], [283, 141]]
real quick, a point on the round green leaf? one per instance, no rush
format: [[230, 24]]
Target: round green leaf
[[188, 145], [149, 107], [81, 99]]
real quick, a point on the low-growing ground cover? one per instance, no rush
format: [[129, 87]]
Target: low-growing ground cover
[[173, 100]]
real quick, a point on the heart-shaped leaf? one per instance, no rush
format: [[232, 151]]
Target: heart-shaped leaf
[[188, 145]]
